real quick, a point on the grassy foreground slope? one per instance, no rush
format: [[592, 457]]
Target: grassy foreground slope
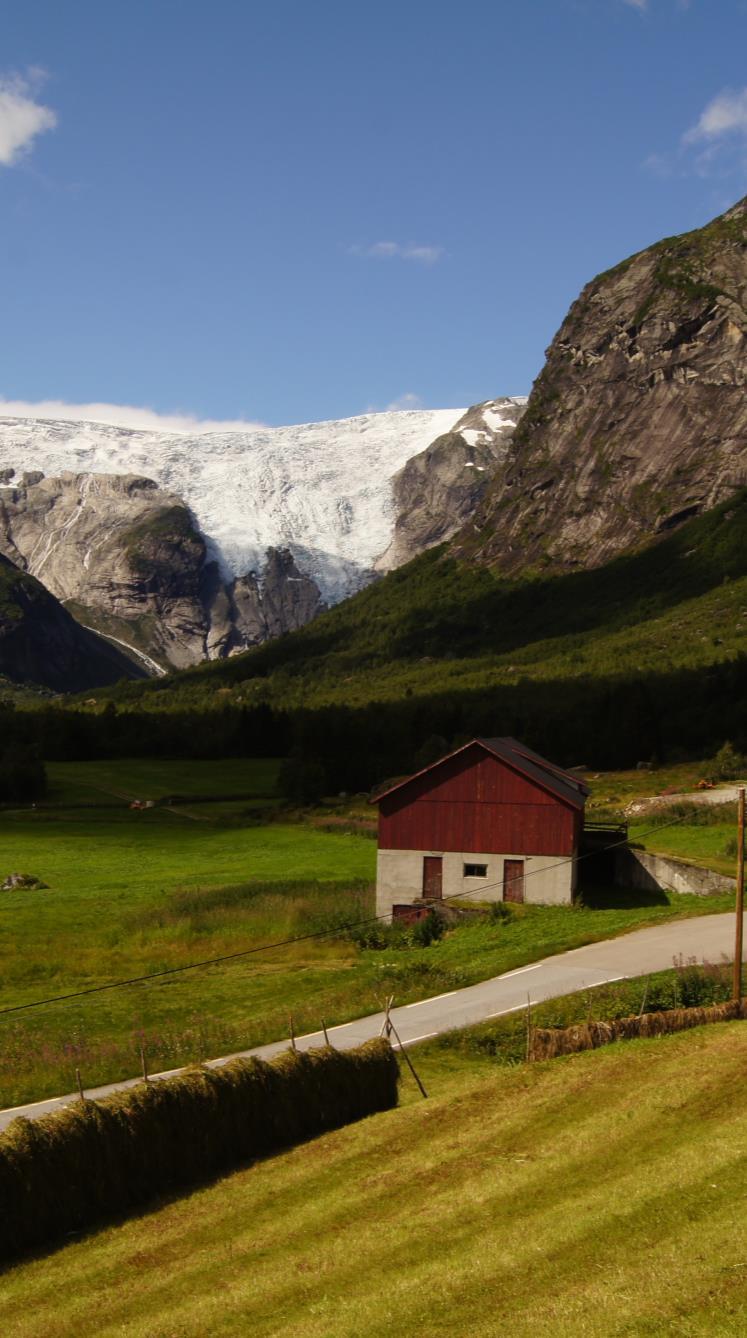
[[593, 1196]]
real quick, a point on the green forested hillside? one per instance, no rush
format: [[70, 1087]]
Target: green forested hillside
[[438, 622], [642, 657]]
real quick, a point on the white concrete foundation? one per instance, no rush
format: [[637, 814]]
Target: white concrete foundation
[[549, 880]]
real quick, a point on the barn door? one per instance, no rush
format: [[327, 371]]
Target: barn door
[[513, 880], [432, 877]]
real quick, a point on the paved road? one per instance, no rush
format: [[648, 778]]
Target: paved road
[[706, 938]]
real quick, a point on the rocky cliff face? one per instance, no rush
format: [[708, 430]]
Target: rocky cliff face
[[41, 643], [638, 419], [439, 489], [124, 557], [127, 560]]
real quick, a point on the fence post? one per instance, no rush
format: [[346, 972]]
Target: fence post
[[529, 1029], [739, 926], [80, 1085]]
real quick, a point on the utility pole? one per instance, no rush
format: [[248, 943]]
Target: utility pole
[[737, 987]]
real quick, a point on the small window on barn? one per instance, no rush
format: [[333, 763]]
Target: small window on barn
[[475, 870]]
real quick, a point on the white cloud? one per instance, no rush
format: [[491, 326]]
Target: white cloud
[[715, 146], [122, 415], [726, 114], [406, 401], [424, 255], [637, 4], [22, 118]]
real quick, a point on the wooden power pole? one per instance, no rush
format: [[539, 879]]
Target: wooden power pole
[[739, 929]]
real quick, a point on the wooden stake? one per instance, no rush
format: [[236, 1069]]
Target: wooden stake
[[80, 1085], [529, 1029], [739, 926], [324, 1029], [643, 1000], [386, 1026], [294, 1047], [407, 1057], [144, 1063]]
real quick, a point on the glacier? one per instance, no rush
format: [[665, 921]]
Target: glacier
[[322, 490]]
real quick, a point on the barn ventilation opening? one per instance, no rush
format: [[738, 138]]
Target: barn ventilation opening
[[475, 871]]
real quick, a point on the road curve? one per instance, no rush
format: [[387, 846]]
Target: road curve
[[705, 938]]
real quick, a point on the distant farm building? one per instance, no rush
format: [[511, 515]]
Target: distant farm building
[[492, 821]]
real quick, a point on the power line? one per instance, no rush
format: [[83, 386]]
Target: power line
[[299, 938]]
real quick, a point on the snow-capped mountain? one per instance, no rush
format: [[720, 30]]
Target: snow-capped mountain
[[322, 490], [180, 547]]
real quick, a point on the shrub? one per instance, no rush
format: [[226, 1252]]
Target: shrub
[[426, 931], [728, 764]]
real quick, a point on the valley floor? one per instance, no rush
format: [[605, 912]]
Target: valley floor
[[219, 871]]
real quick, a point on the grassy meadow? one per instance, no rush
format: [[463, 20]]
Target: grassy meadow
[[222, 870], [595, 1195]]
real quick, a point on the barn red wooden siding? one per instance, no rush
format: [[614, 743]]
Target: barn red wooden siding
[[474, 802]]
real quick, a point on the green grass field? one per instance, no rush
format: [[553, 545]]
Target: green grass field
[[131, 893], [596, 1195]]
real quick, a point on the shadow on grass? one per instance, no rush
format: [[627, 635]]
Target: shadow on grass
[[605, 898]]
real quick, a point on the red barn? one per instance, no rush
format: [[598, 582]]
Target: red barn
[[492, 821]]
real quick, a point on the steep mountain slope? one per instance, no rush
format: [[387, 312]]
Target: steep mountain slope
[[41, 643], [639, 416], [439, 489]]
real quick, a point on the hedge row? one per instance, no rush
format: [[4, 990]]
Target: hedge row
[[95, 1160], [548, 1042]]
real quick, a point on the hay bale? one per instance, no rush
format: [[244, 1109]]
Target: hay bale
[[94, 1160], [549, 1042]]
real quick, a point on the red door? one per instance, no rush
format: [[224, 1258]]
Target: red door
[[432, 877], [513, 880]]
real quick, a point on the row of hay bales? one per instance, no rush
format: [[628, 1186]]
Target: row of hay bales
[[548, 1042], [95, 1160]]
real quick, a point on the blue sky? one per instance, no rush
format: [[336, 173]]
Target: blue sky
[[287, 211]]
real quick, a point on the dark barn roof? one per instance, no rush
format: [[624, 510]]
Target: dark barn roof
[[562, 784]]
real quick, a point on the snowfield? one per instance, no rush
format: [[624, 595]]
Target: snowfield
[[323, 490]]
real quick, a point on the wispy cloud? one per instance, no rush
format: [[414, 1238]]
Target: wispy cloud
[[423, 255], [637, 4], [406, 401], [22, 118], [122, 415], [714, 146], [726, 114]]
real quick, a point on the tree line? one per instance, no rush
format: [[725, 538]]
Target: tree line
[[601, 723]]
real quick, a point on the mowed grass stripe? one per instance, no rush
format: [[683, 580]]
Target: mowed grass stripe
[[597, 1195]]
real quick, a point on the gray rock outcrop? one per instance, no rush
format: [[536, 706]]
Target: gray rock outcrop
[[440, 488], [127, 560], [638, 419]]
